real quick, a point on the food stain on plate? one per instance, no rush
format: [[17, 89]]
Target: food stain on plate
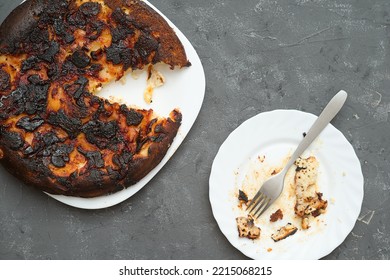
[[285, 224]]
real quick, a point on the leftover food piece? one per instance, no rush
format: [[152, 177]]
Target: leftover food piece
[[278, 215], [155, 80], [247, 228], [242, 196], [284, 232], [308, 200]]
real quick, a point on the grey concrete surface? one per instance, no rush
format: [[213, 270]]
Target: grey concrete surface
[[258, 55]]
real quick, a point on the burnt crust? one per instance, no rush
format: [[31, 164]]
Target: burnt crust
[[54, 133]]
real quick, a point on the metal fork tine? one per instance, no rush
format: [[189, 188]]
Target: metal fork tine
[[255, 198], [258, 204], [261, 209]]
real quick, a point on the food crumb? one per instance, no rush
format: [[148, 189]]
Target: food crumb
[[278, 215], [242, 196], [155, 79], [284, 232], [246, 228], [269, 249], [261, 158]]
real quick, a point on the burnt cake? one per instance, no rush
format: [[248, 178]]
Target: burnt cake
[[55, 134]]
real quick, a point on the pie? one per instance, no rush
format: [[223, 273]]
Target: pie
[[55, 134]]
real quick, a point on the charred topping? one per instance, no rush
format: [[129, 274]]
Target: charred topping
[[90, 9], [4, 80], [71, 125], [80, 59], [30, 124], [95, 158], [102, 134], [49, 54], [242, 196], [30, 63], [146, 45], [132, 116], [60, 154], [14, 139], [30, 99], [62, 30], [94, 29]]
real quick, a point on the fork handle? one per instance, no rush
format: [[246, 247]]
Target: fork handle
[[329, 112]]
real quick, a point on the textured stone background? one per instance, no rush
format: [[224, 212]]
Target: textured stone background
[[257, 56]]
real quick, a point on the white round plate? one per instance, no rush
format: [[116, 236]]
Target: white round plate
[[270, 138], [184, 89]]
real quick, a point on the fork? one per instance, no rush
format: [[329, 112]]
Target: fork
[[273, 187]]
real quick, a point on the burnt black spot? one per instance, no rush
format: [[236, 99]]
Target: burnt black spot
[[60, 155], [123, 159], [96, 176], [117, 52], [158, 138], [39, 35], [80, 59], [102, 134], [53, 11], [13, 139], [71, 125], [145, 46], [77, 19], [4, 80], [94, 158], [30, 63], [96, 55], [30, 124], [36, 99], [57, 161], [78, 88], [90, 9], [68, 68], [242, 196], [49, 54], [50, 138], [52, 71], [120, 33], [132, 116], [115, 175], [94, 29], [121, 18], [94, 69], [14, 103], [64, 183], [60, 28]]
